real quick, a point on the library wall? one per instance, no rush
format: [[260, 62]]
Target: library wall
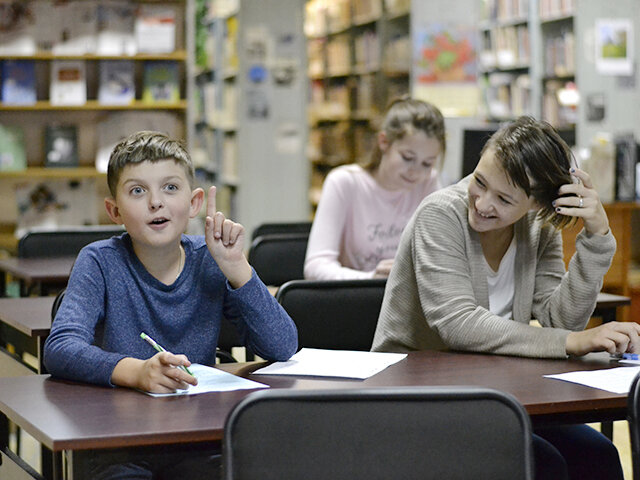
[[621, 94], [273, 170], [465, 12]]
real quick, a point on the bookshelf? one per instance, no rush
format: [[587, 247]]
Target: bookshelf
[[87, 117], [506, 70], [215, 138], [359, 57], [527, 62], [250, 90], [560, 96]]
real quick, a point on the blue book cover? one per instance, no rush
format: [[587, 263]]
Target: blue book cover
[[18, 82], [117, 82]]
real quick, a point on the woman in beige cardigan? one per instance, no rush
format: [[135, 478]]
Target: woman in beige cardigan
[[479, 260]]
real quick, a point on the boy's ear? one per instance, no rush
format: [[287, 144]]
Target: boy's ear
[[383, 141], [112, 210], [197, 200]]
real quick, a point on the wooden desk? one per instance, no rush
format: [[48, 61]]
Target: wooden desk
[[30, 318], [607, 306], [66, 416], [25, 322], [44, 272]]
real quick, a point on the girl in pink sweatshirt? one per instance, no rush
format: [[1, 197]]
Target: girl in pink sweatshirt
[[363, 209]]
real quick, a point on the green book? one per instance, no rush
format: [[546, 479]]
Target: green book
[[161, 82], [12, 153]]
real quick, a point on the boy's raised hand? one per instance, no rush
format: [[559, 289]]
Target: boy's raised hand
[[225, 240]]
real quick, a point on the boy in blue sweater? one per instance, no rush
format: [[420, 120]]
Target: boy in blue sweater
[[157, 280]]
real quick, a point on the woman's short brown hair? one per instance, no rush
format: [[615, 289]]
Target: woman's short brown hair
[[537, 160]]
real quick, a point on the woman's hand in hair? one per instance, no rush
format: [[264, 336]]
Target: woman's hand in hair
[[582, 200]]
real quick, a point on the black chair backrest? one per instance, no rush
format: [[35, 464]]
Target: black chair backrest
[[279, 258], [334, 314], [275, 228], [633, 417], [227, 340], [56, 303], [63, 242], [355, 434]]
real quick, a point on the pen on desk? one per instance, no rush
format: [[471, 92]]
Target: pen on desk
[[624, 356], [160, 348]]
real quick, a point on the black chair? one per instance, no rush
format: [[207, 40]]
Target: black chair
[[633, 417], [279, 258], [409, 433], [334, 314], [275, 228], [63, 242], [227, 340]]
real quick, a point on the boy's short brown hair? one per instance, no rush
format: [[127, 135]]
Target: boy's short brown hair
[[147, 146]]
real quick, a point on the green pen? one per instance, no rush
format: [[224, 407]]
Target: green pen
[[159, 348]]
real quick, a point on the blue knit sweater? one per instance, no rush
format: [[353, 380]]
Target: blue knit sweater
[[111, 298]]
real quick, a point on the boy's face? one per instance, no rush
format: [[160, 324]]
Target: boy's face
[[154, 201]]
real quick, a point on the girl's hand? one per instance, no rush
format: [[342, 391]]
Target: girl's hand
[[225, 240], [612, 337], [584, 202], [383, 269]]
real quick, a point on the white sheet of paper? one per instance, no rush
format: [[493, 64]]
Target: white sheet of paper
[[616, 380], [213, 380], [333, 363]]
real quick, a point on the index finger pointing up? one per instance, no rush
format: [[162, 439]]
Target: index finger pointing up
[[211, 202]]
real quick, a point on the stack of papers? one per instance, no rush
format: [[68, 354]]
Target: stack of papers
[[616, 380], [333, 363]]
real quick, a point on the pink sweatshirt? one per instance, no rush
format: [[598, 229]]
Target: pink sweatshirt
[[358, 223]]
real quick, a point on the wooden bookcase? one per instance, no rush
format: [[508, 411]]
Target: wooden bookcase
[[507, 47], [216, 115], [618, 279], [359, 58], [33, 119]]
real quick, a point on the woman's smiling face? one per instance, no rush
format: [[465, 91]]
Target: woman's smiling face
[[494, 201]]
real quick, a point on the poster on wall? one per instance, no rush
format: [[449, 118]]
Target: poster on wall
[[614, 46], [445, 66]]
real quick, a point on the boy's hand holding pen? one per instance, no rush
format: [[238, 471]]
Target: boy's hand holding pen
[[160, 348], [170, 365]]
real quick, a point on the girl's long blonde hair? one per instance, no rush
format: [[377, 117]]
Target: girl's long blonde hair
[[406, 116]]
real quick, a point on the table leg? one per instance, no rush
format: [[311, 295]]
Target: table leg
[[4, 432], [607, 430], [50, 463]]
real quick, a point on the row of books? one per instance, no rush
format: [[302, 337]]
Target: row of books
[[61, 147], [68, 84], [61, 140], [108, 27]]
